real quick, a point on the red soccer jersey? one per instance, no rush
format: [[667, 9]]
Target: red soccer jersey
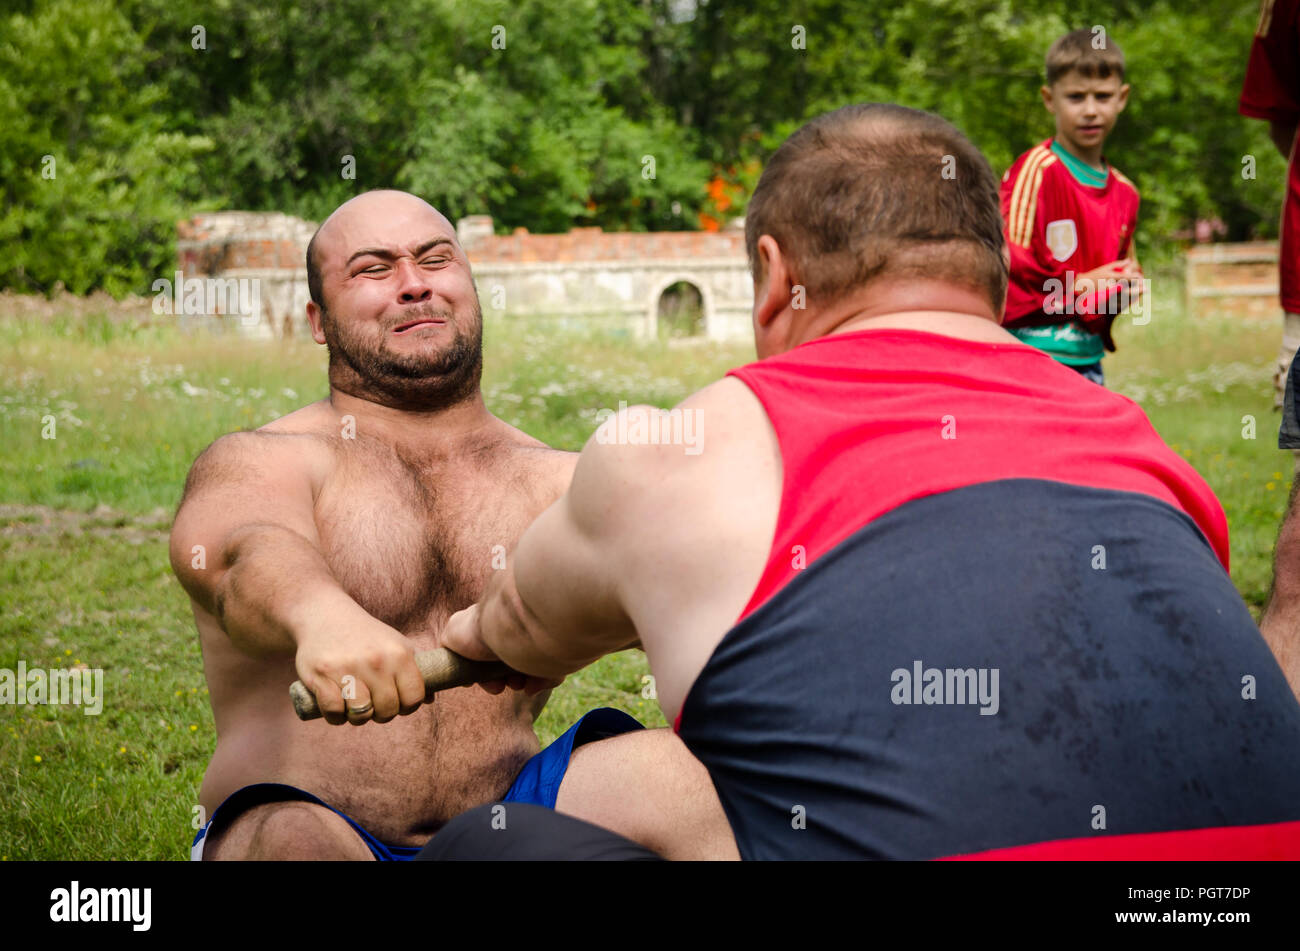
[[1272, 92], [1056, 227]]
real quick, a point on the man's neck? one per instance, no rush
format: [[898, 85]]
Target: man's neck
[[931, 306], [946, 323], [444, 427]]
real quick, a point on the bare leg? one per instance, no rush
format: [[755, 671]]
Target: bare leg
[[287, 831], [647, 786]]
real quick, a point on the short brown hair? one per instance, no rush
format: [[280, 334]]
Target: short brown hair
[[876, 190], [1090, 53]]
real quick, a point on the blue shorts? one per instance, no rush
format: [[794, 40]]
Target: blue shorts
[[537, 783], [242, 800]]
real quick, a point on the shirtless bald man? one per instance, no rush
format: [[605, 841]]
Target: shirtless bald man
[[924, 592], [341, 537]]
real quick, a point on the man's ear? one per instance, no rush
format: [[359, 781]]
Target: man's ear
[[1046, 93], [775, 292], [314, 317], [776, 295], [1123, 97]]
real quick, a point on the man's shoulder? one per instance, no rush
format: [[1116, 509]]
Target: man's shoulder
[[666, 489], [515, 441], [285, 442], [658, 450], [313, 420], [540, 466]]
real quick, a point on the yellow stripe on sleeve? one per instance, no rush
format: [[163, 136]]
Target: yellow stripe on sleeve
[[1029, 203], [1016, 209], [1265, 18]]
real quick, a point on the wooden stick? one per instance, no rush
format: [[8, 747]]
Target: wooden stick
[[440, 668]]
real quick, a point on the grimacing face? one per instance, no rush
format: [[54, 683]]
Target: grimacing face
[[400, 314]]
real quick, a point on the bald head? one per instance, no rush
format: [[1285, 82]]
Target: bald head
[[393, 299], [330, 243], [880, 191]]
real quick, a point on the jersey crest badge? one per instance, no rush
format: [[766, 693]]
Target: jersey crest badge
[[1062, 238]]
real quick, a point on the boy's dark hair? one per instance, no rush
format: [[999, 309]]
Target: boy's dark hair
[[1090, 53], [878, 190]]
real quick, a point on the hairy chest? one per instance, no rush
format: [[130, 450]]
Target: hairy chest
[[412, 540]]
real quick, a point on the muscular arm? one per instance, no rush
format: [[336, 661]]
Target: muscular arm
[[259, 571], [1280, 622]]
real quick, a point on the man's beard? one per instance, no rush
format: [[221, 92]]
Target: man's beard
[[359, 366]]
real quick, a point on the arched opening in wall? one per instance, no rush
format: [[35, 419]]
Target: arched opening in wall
[[680, 311]]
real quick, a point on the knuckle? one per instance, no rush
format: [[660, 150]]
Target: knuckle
[[328, 668]]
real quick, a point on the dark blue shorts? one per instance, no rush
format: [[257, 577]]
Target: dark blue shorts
[[537, 783], [242, 800]]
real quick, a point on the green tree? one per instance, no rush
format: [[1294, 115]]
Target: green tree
[[92, 180]]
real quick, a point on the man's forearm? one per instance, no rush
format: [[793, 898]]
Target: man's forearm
[[277, 587], [517, 636]]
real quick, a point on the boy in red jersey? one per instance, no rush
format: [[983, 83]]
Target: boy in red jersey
[[1070, 216], [1272, 92]]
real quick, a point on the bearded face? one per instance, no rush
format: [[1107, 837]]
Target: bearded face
[[429, 366]]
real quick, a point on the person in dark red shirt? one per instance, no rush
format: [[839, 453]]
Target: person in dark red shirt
[[918, 590], [1070, 215], [1272, 92]]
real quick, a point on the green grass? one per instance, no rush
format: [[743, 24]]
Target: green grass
[[84, 575]]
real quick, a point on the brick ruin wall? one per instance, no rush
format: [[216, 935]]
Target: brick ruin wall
[[585, 277], [269, 248], [590, 278]]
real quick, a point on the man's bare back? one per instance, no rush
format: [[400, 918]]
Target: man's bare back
[[409, 530]]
